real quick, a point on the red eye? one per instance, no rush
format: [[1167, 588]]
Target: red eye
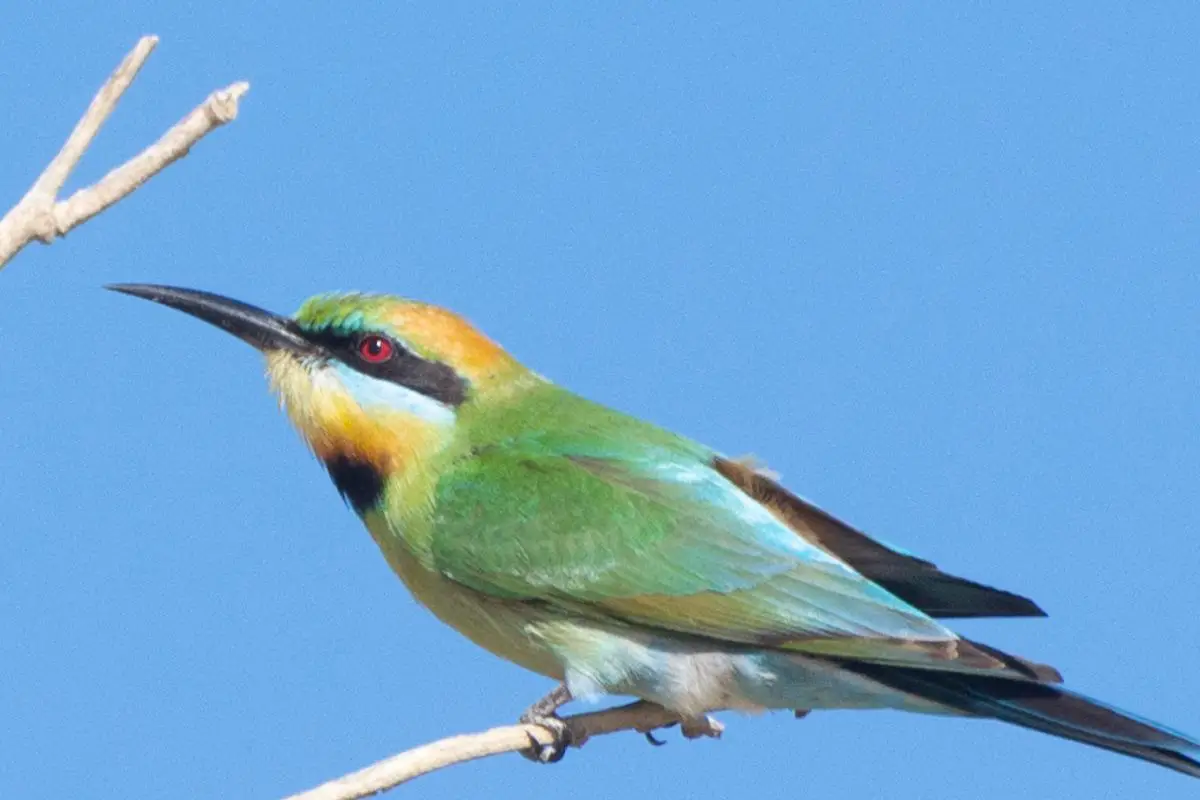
[[375, 349]]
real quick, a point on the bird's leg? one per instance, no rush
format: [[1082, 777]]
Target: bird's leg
[[558, 696], [543, 713]]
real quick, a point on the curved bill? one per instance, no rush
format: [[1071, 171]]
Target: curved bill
[[251, 324]]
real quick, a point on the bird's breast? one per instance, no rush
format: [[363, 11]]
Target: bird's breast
[[505, 628]]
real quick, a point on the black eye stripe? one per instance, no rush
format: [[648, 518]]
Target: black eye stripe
[[437, 381]]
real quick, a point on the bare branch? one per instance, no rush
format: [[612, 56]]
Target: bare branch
[[391, 772], [102, 105], [220, 107], [41, 216]]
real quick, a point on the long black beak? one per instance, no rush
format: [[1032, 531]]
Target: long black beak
[[251, 324]]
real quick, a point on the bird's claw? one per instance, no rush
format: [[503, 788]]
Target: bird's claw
[[691, 728], [652, 739], [561, 735]]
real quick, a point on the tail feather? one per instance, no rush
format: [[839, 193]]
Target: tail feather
[[1043, 707]]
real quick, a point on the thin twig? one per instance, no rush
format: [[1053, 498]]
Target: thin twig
[[391, 772], [41, 216]]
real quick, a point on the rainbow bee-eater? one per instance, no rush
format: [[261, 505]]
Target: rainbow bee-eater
[[615, 557]]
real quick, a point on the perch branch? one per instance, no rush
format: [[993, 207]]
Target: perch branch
[[41, 216], [391, 772]]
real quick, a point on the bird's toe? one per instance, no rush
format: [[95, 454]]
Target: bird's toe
[[701, 727], [561, 739]]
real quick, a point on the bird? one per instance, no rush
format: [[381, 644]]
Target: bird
[[615, 557]]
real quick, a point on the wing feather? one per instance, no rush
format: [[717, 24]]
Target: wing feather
[[673, 547], [915, 580], [603, 515]]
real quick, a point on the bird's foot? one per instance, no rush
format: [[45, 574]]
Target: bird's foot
[[542, 713], [561, 739], [691, 728], [701, 727]]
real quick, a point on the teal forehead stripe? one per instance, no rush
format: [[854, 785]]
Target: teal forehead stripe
[[344, 312]]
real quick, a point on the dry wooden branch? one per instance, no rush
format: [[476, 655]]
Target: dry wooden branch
[[391, 772], [41, 216]]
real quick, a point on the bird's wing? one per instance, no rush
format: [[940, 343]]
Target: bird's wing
[[914, 580], [658, 537]]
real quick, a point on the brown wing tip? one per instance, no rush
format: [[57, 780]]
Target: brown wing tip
[[1043, 673]]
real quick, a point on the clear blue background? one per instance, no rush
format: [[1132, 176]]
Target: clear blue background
[[936, 264]]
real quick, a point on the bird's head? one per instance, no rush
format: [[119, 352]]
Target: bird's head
[[372, 382]]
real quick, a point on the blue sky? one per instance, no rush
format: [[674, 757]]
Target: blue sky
[[936, 264]]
